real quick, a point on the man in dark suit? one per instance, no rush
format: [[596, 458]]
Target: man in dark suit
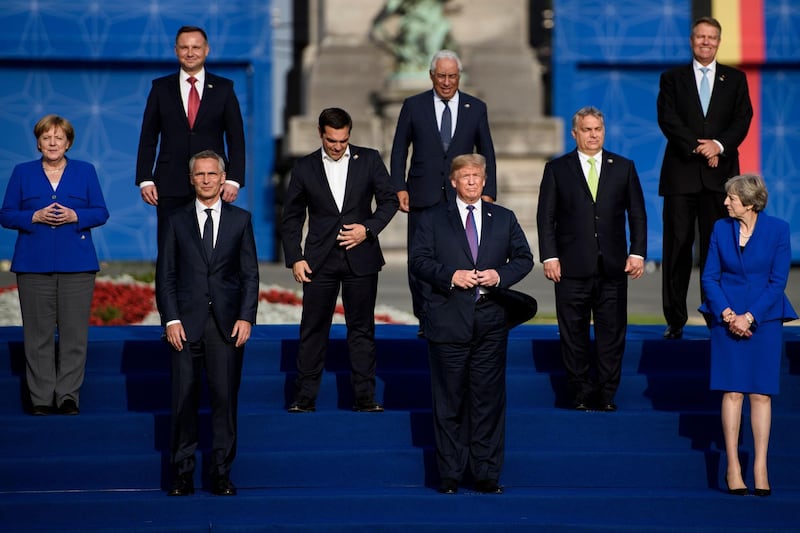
[[421, 121], [470, 252], [584, 198], [181, 119], [336, 186], [704, 112], [207, 294]]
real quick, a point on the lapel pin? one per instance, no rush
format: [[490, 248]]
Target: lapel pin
[[722, 77], [210, 85], [355, 156], [466, 105], [609, 160]]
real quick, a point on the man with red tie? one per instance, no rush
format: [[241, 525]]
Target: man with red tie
[[186, 113]]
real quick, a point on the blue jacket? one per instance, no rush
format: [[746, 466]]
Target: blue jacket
[[753, 280], [42, 248]]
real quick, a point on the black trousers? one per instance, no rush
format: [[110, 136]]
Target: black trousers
[[468, 381], [681, 212], [578, 300], [319, 304], [223, 365]]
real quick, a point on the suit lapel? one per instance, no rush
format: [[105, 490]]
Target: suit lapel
[[175, 91], [487, 228], [322, 177], [458, 230], [207, 101], [577, 172], [352, 169], [690, 87]]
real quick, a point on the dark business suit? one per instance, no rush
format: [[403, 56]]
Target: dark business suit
[[467, 340], [428, 179], [691, 189], [208, 297], [356, 270], [164, 125], [589, 239]]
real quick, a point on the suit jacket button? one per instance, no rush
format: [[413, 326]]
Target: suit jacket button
[[53, 197]]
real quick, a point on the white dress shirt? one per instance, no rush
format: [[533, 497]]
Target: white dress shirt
[[336, 173]]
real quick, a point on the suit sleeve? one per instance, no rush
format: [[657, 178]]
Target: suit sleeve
[[739, 120], [234, 138], [148, 138], [637, 215], [402, 140], [778, 273], [166, 275], [385, 197], [546, 215], [520, 258], [248, 261], [294, 216], [675, 129], [422, 257]]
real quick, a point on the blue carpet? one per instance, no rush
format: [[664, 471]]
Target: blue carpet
[[656, 465]]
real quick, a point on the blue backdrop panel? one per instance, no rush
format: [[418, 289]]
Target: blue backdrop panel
[[93, 63], [611, 56]]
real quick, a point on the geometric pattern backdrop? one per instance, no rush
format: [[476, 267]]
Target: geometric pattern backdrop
[[93, 62], [611, 55]]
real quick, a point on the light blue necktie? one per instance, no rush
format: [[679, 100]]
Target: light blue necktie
[[447, 125], [705, 90]]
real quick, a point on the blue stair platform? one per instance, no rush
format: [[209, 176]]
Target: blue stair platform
[[655, 465]]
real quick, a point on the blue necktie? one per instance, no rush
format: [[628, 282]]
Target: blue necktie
[[705, 90], [447, 125]]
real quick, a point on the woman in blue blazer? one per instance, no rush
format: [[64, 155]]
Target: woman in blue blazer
[[53, 203], [744, 280]]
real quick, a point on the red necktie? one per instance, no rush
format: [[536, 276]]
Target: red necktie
[[194, 101]]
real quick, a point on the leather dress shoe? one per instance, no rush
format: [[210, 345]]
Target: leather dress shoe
[[41, 410], [69, 407], [673, 333], [302, 407], [368, 407], [608, 407], [580, 404], [448, 485], [488, 486], [182, 486], [223, 486]]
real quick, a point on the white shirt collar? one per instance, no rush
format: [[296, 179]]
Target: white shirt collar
[[200, 77], [329, 159]]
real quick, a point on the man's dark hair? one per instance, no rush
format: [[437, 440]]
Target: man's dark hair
[[191, 29], [336, 118]]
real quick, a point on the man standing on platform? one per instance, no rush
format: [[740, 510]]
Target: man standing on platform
[[438, 124], [187, 112], [335, 187], [704, 112], [584, 198], [470, 252], [207, 294]]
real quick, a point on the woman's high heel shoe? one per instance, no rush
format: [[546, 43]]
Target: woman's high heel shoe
[[762, 492], [736, 492]]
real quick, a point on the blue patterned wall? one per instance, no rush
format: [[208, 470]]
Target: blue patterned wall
[[92, 62], [611, 55]]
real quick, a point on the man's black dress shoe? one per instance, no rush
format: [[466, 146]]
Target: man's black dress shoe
[[223, 486], [69, 407], [488, 486], [182, 486], [368, 407], [608, 407], [673, 333], [448, 485], [41, 410], [580, 404], [302, 407], [762, 492]]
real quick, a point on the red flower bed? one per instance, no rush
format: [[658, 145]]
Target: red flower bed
[[120, 303]]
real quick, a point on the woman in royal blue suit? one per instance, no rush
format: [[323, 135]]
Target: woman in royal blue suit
[[744, 282], [53, 203]]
